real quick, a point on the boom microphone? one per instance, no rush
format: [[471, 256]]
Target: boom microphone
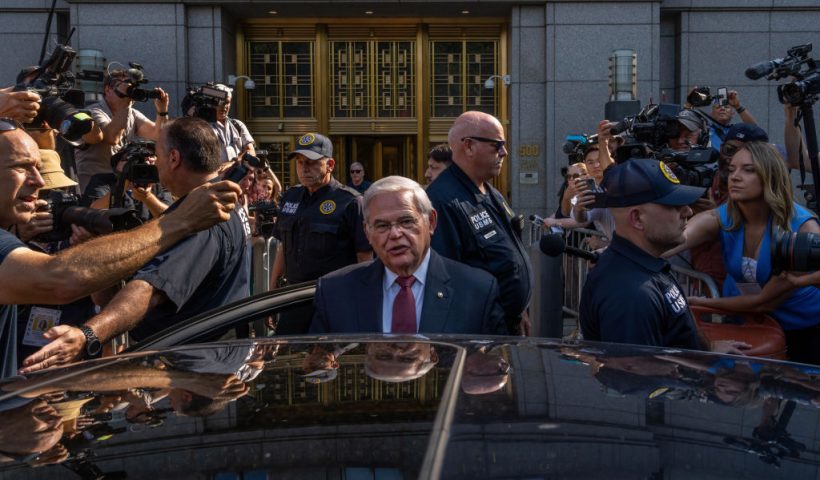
[[554, 245]]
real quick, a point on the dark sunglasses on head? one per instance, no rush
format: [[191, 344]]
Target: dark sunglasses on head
[[9, 124], [499, 144]]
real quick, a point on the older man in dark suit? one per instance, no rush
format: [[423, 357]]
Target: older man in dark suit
[[409, 288]]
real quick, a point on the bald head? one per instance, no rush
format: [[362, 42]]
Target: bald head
[[19, 178], [477, 142]]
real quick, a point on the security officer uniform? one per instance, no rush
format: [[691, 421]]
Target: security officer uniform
[[631, 296], [476, 229], [320, 232]]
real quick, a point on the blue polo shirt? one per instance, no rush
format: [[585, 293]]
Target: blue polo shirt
[[631, 297]]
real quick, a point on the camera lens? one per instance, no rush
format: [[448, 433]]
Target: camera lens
[[798, 252]]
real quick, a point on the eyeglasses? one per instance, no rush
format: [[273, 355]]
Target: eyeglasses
[[405, 224], [355, 171], [9, 124], [499, 144], [728, 150]]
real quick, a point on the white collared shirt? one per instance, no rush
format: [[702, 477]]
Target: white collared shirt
[[390, 289]]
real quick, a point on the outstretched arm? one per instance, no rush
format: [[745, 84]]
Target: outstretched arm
[[700, 229]]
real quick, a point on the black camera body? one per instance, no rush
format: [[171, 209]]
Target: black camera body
[[576, 146], [206, 99], [265, 213], [137, 170], [649, 132], [136, 77], [797, 64], [60, 101], [66, 210]]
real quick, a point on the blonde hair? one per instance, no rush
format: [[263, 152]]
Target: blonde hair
[[777, 186]]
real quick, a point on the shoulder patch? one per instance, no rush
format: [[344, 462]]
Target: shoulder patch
[[327, 207]]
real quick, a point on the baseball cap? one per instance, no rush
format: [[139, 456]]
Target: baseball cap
[[746, 132], [690, 120], [640, 180], [51, 171], [313, 146]]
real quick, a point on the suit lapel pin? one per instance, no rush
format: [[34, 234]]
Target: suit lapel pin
[[440, 294]]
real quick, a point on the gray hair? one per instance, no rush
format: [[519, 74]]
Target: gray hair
[[396, 184]]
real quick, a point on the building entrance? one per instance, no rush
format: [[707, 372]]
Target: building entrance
[[381, 156]]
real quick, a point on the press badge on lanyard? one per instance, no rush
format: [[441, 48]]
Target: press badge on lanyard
[[39, 321]]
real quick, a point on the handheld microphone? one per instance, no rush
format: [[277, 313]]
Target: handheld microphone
[[554, 245]]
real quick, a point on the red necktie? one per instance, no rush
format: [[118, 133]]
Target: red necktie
[[404, 307]]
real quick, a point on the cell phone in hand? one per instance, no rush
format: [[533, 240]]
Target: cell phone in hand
[[237, 173], [585, 183], [722, 96]]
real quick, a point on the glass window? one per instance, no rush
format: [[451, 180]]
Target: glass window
[[459, 69], [283, 74]]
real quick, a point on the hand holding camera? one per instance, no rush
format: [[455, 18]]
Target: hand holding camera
[[41, 222], [21, 106]]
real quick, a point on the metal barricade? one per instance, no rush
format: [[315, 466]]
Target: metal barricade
[[694, 283], [575, 269], [264, 250]]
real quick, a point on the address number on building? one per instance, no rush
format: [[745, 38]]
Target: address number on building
[[529, 150]]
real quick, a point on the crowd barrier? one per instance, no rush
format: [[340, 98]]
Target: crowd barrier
[[574, 270]]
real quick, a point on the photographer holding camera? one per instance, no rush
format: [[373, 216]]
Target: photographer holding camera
[[760, 199], [201, 272], [724, 105], [31, 277], [233, 135], [120, 123]]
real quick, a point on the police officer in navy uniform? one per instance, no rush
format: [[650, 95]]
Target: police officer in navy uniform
[[474, 221], [320, 223], [631, 295]]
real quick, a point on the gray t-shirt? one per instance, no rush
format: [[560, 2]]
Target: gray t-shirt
[[233, 137], [94, 159]]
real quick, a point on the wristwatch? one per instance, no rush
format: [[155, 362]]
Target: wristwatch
[[93, 346]]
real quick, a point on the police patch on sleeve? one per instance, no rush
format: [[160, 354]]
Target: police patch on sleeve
[[668, 173], [327, 207], [675, 299]]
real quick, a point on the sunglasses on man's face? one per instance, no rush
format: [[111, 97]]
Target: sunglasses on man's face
[[355, 171], [498, 144]]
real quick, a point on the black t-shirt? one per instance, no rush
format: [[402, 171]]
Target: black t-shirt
[[631, 297], [204, 271], [8, 314], [476, 229], [320, 232]]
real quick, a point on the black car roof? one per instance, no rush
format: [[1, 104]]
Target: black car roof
[[488, 407]]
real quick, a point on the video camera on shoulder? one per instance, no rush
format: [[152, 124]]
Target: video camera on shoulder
[[649, 133], [61, 102], [205, 100], [576, 146], [137, 169], [66, 210], [136, 77]]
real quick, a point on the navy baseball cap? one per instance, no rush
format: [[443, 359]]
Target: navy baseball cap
[[313, 146], [641, 180], [746, 132]]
